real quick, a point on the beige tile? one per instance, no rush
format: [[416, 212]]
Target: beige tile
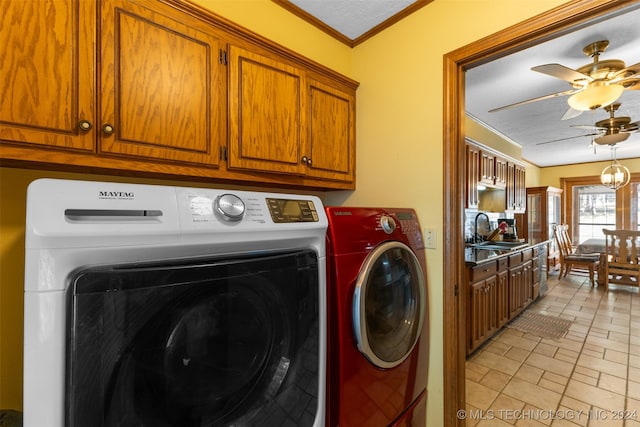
[[556, 366], [517, 354], [475, 372], [479, 395], [533, 394], [546, 349], [602, 365], [550, 376], [551, 385], [594, 396], [612, 383], [499, 363], [616, 356], [529, 373], [495, 380], [523, 342], [633, 389]]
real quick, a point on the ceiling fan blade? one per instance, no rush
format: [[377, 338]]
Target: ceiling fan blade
[[571, 114], [561, 72], [588, 127], [569, 137], [540, 98]]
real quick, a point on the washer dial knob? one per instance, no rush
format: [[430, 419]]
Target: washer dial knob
[[229, 207], [388, 224]]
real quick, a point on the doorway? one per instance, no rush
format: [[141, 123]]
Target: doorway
[[548, 25]]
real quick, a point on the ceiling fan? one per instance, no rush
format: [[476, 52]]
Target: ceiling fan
[[593, 85], [608, 131]]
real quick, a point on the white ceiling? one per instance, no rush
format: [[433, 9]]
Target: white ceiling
[[510, 79], [352, 18]]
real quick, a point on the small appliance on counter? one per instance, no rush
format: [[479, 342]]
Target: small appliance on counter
[[511, 232]]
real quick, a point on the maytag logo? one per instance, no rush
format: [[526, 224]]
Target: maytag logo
[[116, 195]]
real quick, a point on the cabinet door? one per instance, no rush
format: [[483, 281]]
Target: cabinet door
[[501, 172], [477, 322], [517, 293], [331, 130], [520, 191], [266, 114], [47, 73], [473, 164], [502, 285], [487, 168], [162, 85]]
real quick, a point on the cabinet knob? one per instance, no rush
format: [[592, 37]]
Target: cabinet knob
[[108, 129], [84, 125], [306, 160]]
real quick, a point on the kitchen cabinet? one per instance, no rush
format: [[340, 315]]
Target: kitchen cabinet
[[175, 92], [483, 302], [515, 189], [473, 164], [494, 170], [284, 121], [498, 290]]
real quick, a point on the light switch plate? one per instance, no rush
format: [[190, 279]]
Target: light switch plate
[[429, 238]]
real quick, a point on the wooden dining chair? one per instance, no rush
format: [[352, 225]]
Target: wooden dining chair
[[622, 257], [569, 260]]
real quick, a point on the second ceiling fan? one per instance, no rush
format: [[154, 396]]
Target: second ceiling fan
[[607, 131], [594, 85]]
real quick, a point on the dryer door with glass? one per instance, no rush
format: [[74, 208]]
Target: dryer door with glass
[[389, 304], [194, 343]]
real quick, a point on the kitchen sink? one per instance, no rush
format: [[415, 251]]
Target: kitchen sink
[[500, 245]]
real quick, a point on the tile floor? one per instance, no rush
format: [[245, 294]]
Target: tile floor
[[591, 377]]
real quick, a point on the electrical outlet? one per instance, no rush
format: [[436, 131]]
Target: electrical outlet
[[429, 235]]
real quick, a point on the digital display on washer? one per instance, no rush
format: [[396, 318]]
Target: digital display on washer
[[404, 215], [287, 210]]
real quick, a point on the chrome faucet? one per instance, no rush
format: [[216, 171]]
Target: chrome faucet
[[476, 238]]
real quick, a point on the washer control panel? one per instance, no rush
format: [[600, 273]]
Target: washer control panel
[[288, 210], [387, 223], [229, 207]]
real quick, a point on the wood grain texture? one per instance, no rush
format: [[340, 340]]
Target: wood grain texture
[[160, 85], [47, 78]]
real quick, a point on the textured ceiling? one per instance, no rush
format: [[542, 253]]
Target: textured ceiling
[[352, 18], [510, 79]]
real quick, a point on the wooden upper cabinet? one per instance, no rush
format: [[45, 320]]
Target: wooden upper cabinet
[[162, 85], [472, 172], [331, 152], [47, 76], [501, 172], [266, 113]]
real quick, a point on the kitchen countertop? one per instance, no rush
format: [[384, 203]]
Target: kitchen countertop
[[474, 256]]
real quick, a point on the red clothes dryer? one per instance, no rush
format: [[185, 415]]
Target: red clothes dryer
[[378, 342]]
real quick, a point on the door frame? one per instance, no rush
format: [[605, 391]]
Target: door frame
[[551, 24]]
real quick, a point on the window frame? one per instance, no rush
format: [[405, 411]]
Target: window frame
[[626, 203]]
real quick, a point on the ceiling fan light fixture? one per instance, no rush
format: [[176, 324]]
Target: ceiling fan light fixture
[[596, 95], [612, 139]]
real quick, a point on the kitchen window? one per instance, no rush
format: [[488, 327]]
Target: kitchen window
[[590, 206]]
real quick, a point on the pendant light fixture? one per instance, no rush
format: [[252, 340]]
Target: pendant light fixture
[[615, 175]]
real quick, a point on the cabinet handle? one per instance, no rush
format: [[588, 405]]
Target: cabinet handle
[[306, 160], [85, 125], [108, 129]]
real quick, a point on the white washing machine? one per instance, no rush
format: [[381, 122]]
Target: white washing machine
[[168, 306]]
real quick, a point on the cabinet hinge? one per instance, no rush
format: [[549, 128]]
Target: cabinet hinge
[[456, 289], [223, 154], [222, 56]]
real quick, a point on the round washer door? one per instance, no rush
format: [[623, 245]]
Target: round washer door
[[389, 304]]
